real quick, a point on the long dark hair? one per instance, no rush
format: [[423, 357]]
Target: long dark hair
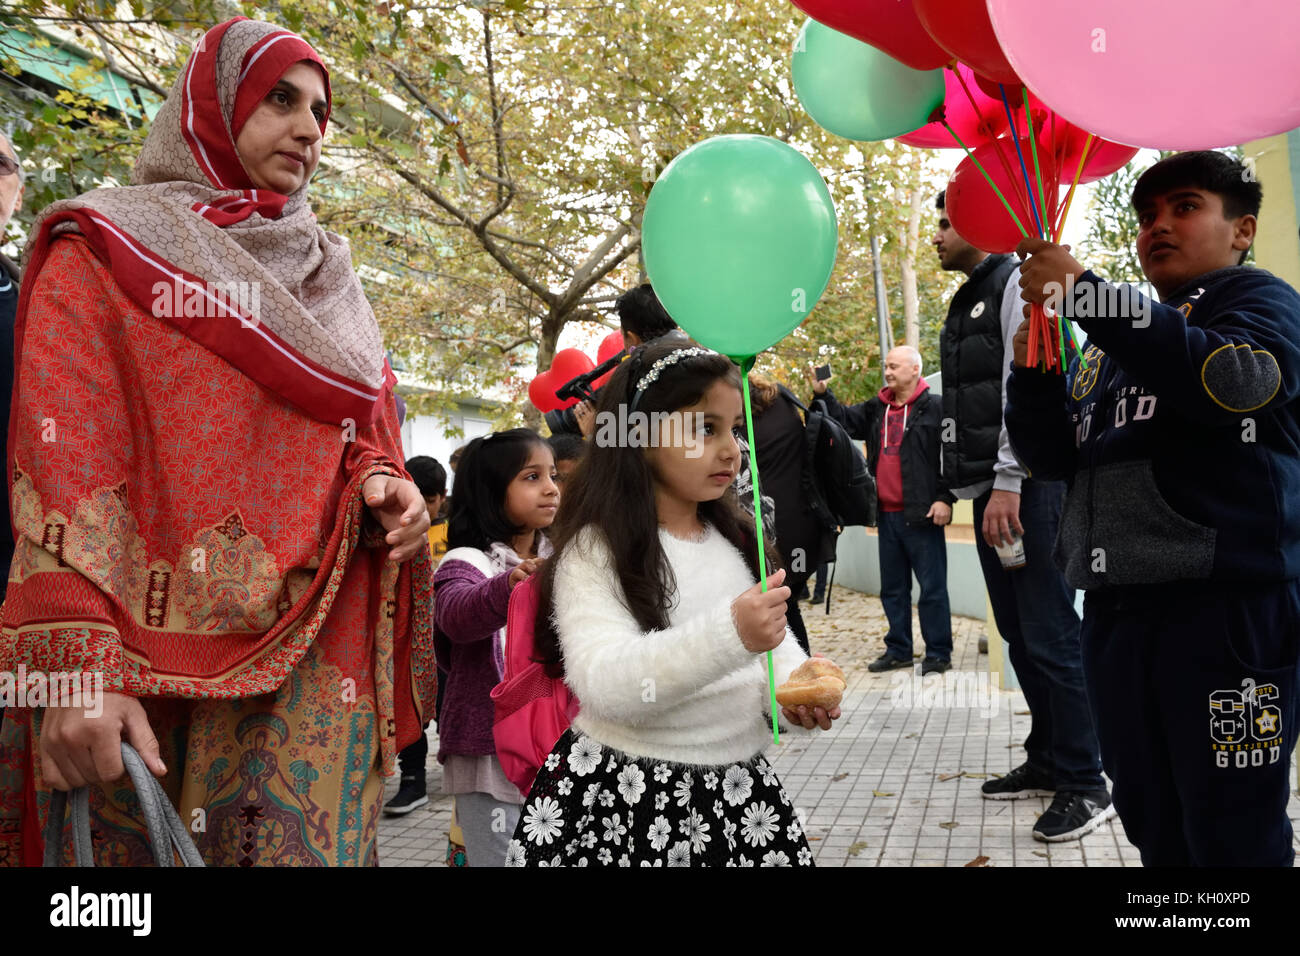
[[477, 516], [612, 491]]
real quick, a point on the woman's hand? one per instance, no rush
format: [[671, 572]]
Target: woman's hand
[[585, 414], [810, 718], [76, 750], [399, 507]]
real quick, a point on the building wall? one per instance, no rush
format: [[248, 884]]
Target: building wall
[[427, 434]]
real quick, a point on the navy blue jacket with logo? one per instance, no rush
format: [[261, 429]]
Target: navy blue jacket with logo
[[1181, 437]]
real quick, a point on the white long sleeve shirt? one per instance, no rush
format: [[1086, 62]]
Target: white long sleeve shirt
[[689, 694]]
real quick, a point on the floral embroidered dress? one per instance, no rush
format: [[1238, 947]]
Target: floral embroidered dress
[[595, 806], [186, 496]]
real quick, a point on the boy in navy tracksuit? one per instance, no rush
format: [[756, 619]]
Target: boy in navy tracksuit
[[1181, 443]]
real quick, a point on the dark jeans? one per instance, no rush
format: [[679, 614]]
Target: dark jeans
[[819, 589], [412, 758], [921, 550], [1194, 693], [1034, 610]]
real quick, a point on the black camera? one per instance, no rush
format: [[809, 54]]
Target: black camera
[[563, 420]]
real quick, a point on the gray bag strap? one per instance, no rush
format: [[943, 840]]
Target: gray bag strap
[[166, 831]]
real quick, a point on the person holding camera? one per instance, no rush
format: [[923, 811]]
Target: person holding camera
[[901, 428]]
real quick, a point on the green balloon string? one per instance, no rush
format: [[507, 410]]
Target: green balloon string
[[987, 178], [746, 363], [1060, 340]]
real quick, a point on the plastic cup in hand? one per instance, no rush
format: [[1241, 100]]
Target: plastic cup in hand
[[1012, 554]]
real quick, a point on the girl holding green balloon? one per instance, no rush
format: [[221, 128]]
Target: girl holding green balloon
[[650, 612]]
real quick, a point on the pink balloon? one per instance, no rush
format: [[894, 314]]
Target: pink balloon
[[973, 127], [1155, 76]]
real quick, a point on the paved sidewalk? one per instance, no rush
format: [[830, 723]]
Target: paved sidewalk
[[896, 783]]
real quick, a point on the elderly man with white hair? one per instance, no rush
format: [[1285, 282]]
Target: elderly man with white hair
[[901, 428]]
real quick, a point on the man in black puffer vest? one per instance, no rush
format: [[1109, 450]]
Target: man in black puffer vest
[[1032, 604]]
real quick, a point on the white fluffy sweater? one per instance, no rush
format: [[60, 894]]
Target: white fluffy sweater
[[690, 694]]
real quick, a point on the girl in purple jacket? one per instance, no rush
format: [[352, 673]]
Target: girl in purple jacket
[[505, 494]]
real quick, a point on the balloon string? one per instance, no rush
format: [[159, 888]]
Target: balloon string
[[1053, 174], [745, 365], [989, 179], [1069, 197], [1024, 169], [986, 127], [1033, 146]]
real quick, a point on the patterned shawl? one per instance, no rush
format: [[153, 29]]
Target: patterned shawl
[[247, 273], [190, 524]]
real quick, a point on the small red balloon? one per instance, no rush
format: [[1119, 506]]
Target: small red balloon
[[889, 25], [963, 29], [610, 346], [541, 392], [567, 365]]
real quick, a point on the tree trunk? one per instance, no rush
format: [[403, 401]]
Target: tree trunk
[[911, 243]]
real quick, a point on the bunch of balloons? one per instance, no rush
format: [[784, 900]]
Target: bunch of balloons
[[1141, 74], [1039, 95]]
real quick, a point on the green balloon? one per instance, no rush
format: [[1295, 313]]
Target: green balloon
[[856, 91], [739, 235]]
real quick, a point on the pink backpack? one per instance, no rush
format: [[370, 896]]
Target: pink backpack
[[532, 710]]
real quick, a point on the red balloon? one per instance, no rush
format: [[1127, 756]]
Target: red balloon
[[888, 25], [963, 28], [567, 365], [974, 126], [975, 211], [610, 346], [541, 392], [1104, 157], [1013, 90]]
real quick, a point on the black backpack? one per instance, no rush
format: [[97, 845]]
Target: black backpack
[[836, 483]]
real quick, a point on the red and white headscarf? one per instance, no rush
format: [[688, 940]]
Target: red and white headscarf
[[193, 222]]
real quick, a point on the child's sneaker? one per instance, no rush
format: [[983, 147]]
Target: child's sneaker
[[1020, 783], [1072, 815]]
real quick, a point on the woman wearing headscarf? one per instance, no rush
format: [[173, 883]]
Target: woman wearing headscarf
[[207, 492]]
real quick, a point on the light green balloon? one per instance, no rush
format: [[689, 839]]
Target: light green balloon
[[854, 90], [739, 236]]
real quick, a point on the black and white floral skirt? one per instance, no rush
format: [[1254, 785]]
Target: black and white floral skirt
[[594, 806]]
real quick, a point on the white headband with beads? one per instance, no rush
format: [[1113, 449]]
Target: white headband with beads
[[672, 358]]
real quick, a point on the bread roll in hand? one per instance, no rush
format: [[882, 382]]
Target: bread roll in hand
[[817, 682]]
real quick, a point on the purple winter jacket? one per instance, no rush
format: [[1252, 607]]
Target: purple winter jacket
[[468, 609]]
